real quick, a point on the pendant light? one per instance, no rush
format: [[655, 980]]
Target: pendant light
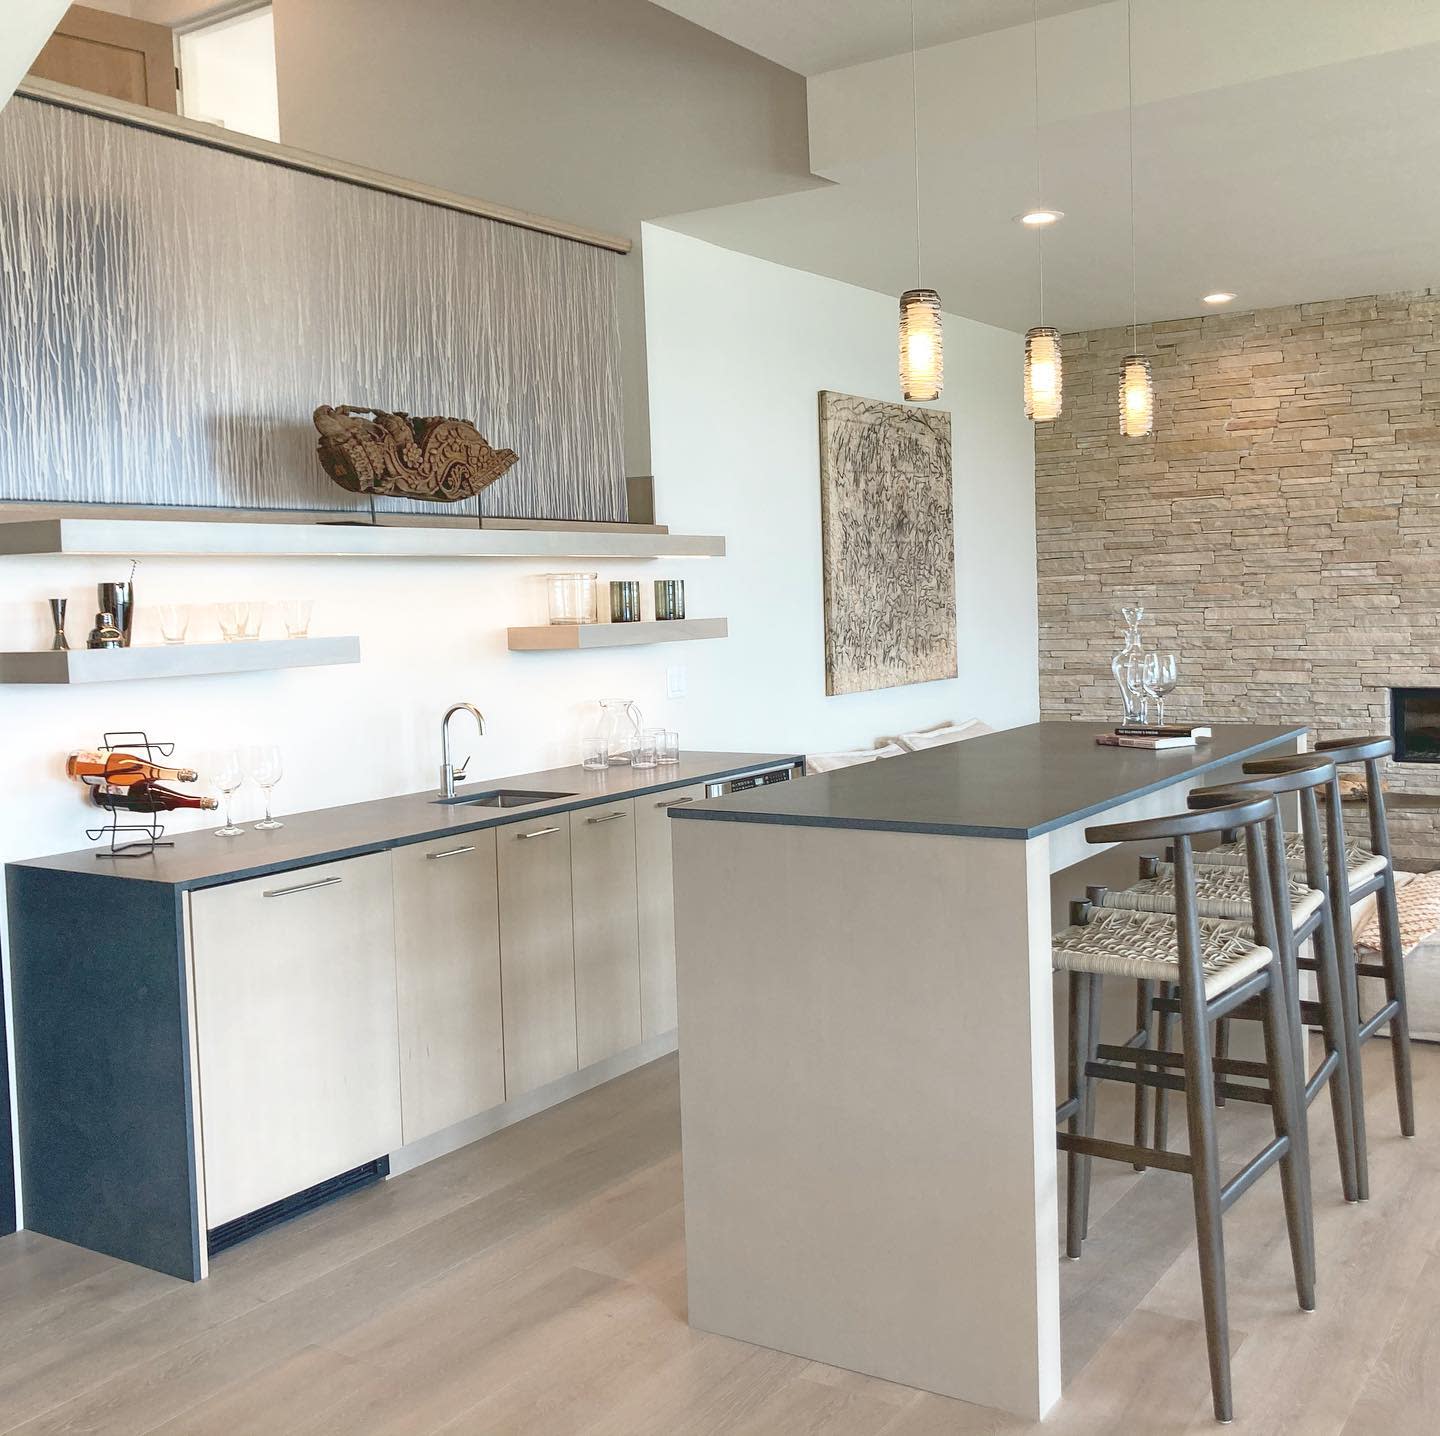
[[1137, 384], [922, 346], [1044, 368]]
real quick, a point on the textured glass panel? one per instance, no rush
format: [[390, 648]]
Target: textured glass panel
[[171, 314]]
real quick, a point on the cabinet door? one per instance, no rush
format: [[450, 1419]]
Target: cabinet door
[[447, 970], [537, 953], [295, 1028], [657, 906], [607, 942]]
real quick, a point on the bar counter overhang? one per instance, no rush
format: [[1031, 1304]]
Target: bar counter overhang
[[867, 1049]]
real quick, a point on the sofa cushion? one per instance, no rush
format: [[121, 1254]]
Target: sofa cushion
[[1418, 904], [829, 762], [940, 734]]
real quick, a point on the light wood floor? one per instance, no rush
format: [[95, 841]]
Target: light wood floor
[[535, 1283]]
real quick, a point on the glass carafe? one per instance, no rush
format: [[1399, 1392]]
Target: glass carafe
[[1129, 653], [629, 725]]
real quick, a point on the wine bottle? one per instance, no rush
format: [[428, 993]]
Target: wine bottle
[[120, 770], [146, 796]]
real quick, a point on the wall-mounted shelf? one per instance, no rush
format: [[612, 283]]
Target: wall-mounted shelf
[[180, 660], [149, 537], [570, 636]]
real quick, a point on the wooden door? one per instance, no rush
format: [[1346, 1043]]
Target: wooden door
[[295, 1029], [112, 55], [607, 943], [537, 952], [657, 906], [447, 972]]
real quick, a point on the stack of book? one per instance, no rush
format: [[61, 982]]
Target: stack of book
[[1164, 735]]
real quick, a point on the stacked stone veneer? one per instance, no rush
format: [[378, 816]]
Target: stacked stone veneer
[[1281, 525]]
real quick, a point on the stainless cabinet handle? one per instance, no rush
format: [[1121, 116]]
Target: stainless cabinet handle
[[608, 818], [538, 833], [674, 802], [448, 853], [304, 887]]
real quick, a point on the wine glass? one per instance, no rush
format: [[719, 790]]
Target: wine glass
[[266, 767], [229, 777], [1134, 677], [1159, 678]]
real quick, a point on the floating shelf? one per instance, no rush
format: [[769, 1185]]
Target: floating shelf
[[149, 537], [570, 636], [178, 660]]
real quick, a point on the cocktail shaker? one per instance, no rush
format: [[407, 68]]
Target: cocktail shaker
[[118, 600]]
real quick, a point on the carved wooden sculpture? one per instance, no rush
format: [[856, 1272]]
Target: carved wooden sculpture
[[395, 456]]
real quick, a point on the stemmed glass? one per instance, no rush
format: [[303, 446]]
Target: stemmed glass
[[1132, 676], [229, 777], [1159, 677], [265, 767]]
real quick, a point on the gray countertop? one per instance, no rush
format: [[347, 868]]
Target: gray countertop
[[201, 859], [1016, 784]]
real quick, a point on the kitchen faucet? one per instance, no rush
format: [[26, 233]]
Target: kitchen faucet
[[448, 771]]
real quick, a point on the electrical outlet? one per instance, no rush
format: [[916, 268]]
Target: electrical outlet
[[676, 681]]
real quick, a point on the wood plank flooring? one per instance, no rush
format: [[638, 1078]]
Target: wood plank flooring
[[535, 1282]]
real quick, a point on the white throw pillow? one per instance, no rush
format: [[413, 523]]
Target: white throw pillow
[[828, 762], [942, 733]]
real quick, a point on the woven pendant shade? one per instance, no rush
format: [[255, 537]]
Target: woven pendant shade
[[922, 349], [1137, 397], [1044, 378]]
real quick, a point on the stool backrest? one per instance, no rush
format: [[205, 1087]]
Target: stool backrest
[[1369, 751]]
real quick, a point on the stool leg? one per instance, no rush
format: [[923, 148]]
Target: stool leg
[[1287, 1113], [1332, 1017], [1393, 956], [1350, 1015], [1079, 1084], [1205, 1188], [1163, 1039], [1144, 998], [1092, 1090], [1222, 1050]]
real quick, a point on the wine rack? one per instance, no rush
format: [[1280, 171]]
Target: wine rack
[[128, 838]]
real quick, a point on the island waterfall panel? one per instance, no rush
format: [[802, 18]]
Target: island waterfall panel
[[174, 313]]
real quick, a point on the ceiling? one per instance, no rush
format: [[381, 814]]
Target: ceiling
[[812, 36], [1283, 151]]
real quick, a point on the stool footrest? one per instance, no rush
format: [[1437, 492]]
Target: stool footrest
[[1321, 1076], [1155, 1057], [1370, 969], [1252, 1171], [1066, 1110], [1370, 1028], [1112, 1072], [1123, 1152]]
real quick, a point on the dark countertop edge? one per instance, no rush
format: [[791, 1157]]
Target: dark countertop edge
[[493, 819], [710, 813]]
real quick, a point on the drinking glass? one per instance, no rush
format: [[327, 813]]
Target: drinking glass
[[266, 767], [296, 613], [647, 750], [1159, 678], [1134, 675], [174, 621], [669, 749], [234, 621], [229, 777]]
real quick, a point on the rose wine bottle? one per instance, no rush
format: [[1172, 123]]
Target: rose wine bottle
[[120, 770], [146, 796]]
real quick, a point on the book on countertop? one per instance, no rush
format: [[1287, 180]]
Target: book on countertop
[[1163, 730], [1142, 740]]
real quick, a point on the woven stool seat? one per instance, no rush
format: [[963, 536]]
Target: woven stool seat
[[1360, 863], [1222, 892], [1145, 947]]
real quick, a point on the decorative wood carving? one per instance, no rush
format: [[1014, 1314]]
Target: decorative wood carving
[[396, 456]]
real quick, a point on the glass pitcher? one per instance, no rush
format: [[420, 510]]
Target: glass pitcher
[[629, 725]]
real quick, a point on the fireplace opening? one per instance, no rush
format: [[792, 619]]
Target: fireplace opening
[[1415, 724]]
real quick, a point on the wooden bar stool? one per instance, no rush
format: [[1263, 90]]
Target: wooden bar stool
[[1223, 892], [1216, 967]]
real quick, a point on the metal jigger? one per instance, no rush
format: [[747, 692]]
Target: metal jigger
[[57, 614]]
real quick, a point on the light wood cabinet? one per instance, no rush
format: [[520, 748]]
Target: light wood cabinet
[[607, 942], [295, 1030], [447, 972], [657, 906], [537, 953]]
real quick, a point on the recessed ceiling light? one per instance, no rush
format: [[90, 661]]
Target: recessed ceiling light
[[1035, 218], [1221, 296]]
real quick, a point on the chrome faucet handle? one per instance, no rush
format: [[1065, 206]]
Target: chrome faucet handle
[[460, 771]]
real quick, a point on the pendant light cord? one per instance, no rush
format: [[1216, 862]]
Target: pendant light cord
[[1039, 174], [1130, 111], [915, 138]]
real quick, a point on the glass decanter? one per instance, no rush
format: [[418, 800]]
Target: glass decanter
[[1130, 652]]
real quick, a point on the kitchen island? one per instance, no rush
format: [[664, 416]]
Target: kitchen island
[[867, 1079], [223, 1033]]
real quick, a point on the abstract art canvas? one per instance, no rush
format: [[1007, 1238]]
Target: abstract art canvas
[[888, 544]]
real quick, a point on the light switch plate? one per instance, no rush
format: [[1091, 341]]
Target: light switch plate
[[676, 681]]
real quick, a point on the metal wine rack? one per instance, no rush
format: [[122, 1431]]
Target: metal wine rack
[[127, 839]]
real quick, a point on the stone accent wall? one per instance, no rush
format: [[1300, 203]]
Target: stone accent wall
[[1281, 525]]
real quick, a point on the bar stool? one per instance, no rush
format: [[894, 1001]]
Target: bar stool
[[1223, 892], [1217, 967]]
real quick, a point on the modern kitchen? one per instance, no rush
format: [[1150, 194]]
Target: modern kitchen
[[609, 829]]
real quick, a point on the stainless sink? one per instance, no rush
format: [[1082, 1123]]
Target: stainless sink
[[503, 798]]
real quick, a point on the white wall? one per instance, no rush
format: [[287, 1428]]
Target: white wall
[[739, 350], [227, 74], [25, 26]]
